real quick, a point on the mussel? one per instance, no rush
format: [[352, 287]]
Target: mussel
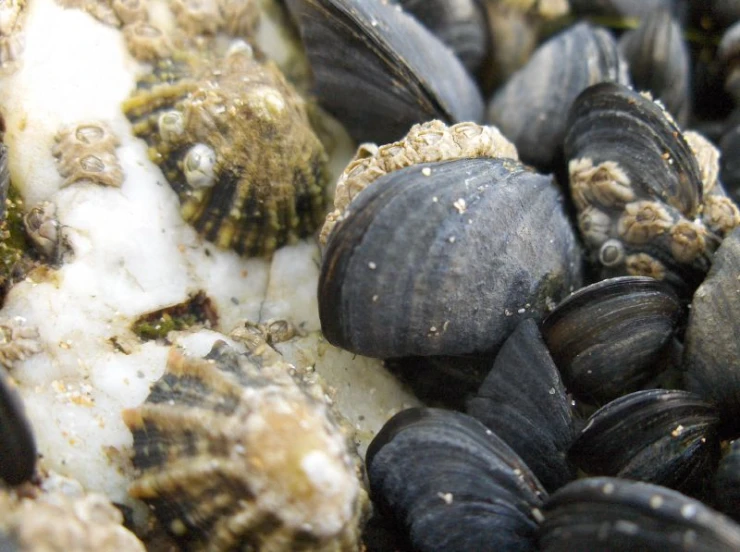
[[642, 204], [727, 482], [614, 515], [453, 485], [379, 71], [445, 259], [712, 355], [524, 402], [531, 108], [607, 339], [17, 443], [666, 437]]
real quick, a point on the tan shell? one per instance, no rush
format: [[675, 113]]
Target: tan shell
[[425, 143], [233, 139], [234, 453], [55, 522]]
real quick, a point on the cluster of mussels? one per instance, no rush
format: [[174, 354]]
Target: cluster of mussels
[[587, 321]]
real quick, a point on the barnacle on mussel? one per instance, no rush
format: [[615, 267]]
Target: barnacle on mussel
[[379, 71], [445, 259], [524, 402], [453, 485], [235, 455], [233, 139], [607, 339], [614, 515], [639, 190], [661, 436]]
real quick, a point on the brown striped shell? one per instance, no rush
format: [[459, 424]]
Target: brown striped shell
[[233, 139], [235, 455]]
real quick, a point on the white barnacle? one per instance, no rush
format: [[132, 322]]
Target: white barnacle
[[199, 166], [611, 253], [171, 125]]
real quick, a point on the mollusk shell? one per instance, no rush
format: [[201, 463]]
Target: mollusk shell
[[607, 338], [379, 71], [659, 436], [712, 354], [637, 186], [233, 454], [233, 139], [453, 484], [425, 143], [531, 109], [727, 482], [445, 258], [524, 402], [614, 515], [17, 443]]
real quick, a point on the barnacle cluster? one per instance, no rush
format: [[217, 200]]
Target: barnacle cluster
[[424, 143], [86, 152], [233, 139]]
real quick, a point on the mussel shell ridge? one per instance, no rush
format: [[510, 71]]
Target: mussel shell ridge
[[445, 259]]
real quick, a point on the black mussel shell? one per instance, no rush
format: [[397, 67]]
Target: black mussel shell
[[637, 186], [659, 436], [729, 145], [453, 484], [659, 61], [531, 109], [616, 515], [460, 24], [607, 338], [727, 482], [379, 71], [445, 259], [712, 355], [524, 402], [17, 443]]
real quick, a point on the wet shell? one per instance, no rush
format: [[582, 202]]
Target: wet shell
[[614, 515], [727, 482], [532, 108], [638, 188], [659, 436], [712, 353], [234, 455], [233, 139], [379, 71], [460, 24], [659, 61], [445, 259], [55, 521], [607, 339], [452, 484], [17, 443], [524, 402]]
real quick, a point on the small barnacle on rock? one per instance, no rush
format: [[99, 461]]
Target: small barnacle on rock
[[234, 454], [130, 11], [17, 341], [145, 41], [87, 152], [233, 139], [54, 521], [197, 16], [44, 231], [424, 143]]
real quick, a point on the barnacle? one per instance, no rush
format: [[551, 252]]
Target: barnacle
[[234, 141], [17, 341], [86, 152], [233, 453]]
